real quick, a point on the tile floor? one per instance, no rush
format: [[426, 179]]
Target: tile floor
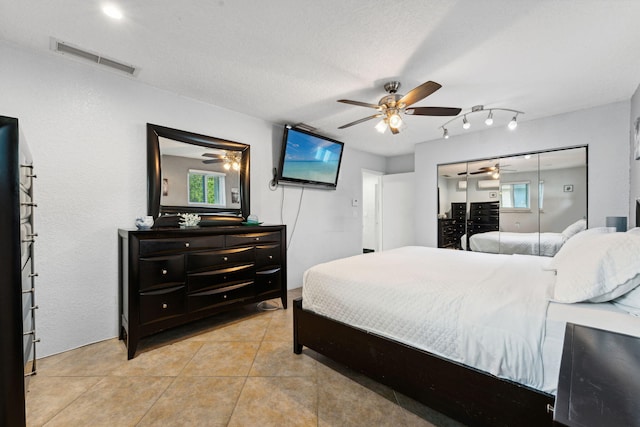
[[238, 369]]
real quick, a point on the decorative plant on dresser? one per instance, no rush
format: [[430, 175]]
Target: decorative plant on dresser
[[171, 275]]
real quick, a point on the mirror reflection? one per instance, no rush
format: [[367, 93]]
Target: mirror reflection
[[526, 204], [198, 176]]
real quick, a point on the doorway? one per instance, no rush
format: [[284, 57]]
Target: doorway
[[371, 211]]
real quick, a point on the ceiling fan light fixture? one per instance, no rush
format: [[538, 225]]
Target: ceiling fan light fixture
[[465, 123], [395, 121], [496, 175], [382, 126], [489, 119]]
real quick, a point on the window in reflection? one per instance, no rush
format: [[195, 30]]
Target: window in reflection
[[515, 196]]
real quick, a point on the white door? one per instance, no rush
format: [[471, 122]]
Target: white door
[[371, 211], [398, 210]]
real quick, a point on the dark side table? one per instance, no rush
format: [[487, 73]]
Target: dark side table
[[599, 383]]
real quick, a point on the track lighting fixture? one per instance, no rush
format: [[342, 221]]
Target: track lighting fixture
[[488, 121], [513, 123], [465, 122]]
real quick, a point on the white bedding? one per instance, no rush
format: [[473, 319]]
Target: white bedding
[[504, 242], [483, 310]]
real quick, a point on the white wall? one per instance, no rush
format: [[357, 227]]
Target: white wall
[[604, 129], [398, 210], [86, 128], [401, 164]]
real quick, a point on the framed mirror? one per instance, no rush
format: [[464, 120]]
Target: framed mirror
[[193, 173]]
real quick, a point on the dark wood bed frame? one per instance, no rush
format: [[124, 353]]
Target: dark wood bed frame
[[468, 395]]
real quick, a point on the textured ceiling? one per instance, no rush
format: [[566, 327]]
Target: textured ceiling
[[288, 61]]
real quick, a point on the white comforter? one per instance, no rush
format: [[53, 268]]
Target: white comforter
[[504, 242], [482, 310]]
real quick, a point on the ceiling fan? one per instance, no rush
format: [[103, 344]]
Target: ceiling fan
[[231, 160], [392, 105], [489, 170]]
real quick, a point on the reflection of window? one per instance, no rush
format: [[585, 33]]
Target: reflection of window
[[206, 188], [541, 195], [515, 195]]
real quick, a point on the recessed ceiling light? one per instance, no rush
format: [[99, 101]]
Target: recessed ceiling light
[[112, 11]]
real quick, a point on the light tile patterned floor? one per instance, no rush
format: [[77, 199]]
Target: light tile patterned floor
[[238, 369]]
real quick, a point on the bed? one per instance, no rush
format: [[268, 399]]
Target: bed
[[481, 344], [505, 242]]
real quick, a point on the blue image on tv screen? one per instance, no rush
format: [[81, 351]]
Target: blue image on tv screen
[[309, 158]]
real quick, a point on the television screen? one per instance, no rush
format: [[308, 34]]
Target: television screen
[[309, 159]]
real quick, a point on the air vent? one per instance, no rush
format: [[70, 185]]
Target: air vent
[[68, 49]]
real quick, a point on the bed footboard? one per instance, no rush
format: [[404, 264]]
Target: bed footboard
[[463, 393]]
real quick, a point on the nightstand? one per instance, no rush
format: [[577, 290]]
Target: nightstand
[[599, 380]]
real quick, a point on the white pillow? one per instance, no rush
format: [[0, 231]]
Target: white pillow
[[575, 228], [634, 230], [596, 266], [629, 302], [576, 241]]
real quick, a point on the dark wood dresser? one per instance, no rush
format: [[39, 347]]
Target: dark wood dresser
[[169, 277], [17, 289], [483, 217], [451, 230]]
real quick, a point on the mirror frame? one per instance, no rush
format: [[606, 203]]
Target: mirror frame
[[154, 174]]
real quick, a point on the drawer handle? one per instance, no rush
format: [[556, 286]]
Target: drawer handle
[[225, 259], [164, 271], [224, 278], [186, 245], [270, 256], [224, 296], [269, 282], [164, 305], [257, 238]]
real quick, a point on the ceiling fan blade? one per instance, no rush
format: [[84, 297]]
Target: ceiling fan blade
[[418, 93], [477, 172], [206, 162], [394, 131], [360, 121], [432, 111], [360, 104], [215, 156]]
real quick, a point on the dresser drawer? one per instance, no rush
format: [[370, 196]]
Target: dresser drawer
[[206, 260], [160, 271], [267, 255], [268, 280], [252, 238], [159, 246], [162, 304], [220, 278], [221, 296]]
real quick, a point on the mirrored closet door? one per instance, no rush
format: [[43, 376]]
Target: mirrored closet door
[[525, 204]]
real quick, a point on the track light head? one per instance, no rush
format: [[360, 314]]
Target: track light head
[[465, 123], [489, 119], [513, 123], [445, 134]]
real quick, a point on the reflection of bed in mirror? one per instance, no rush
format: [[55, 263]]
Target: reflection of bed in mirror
[[504, 242]]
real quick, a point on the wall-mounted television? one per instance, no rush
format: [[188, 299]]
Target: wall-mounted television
[[309, 159]]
